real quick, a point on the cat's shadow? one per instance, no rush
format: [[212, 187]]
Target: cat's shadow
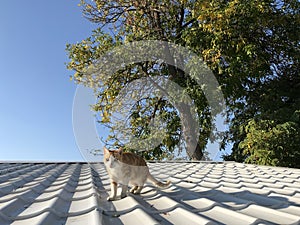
[[110, 215]]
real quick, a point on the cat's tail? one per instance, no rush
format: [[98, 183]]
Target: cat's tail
[[158, 183]]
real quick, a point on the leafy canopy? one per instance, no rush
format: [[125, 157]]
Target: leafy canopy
[[251, 46]]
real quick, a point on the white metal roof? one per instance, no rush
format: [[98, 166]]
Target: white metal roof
[[200, 193]]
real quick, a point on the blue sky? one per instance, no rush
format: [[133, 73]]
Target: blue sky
[[36, 94]]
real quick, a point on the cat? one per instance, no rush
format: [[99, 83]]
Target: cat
[[127, 168]]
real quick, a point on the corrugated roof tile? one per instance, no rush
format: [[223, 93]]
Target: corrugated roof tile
[[200, 193], [271, 215]]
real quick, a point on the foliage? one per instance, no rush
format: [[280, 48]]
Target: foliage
[[251, 46], [254, 48], [268, 143], [130, 21], [272, 136]]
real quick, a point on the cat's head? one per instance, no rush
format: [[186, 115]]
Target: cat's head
[[112, 157]]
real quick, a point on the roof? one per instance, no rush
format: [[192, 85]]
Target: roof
[[201, 193]]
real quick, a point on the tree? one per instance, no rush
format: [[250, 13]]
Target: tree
[[131, 21], [255, 46], [271, 143], [271, 137], [252, 47]]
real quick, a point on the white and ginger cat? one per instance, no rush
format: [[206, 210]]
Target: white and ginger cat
[[127, 168]]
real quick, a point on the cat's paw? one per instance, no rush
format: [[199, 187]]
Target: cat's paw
[[132, 191], [123, 195], [111, 198]]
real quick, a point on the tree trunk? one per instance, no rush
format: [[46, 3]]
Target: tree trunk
[[190, 131], [189, 127]]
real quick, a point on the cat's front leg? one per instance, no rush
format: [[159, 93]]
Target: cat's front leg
[[138, 190], [113, 191], [124, 190]]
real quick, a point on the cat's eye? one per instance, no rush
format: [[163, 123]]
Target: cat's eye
[[107, 159]]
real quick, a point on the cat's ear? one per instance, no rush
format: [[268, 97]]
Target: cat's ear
[[106, 151], [120, 150]]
